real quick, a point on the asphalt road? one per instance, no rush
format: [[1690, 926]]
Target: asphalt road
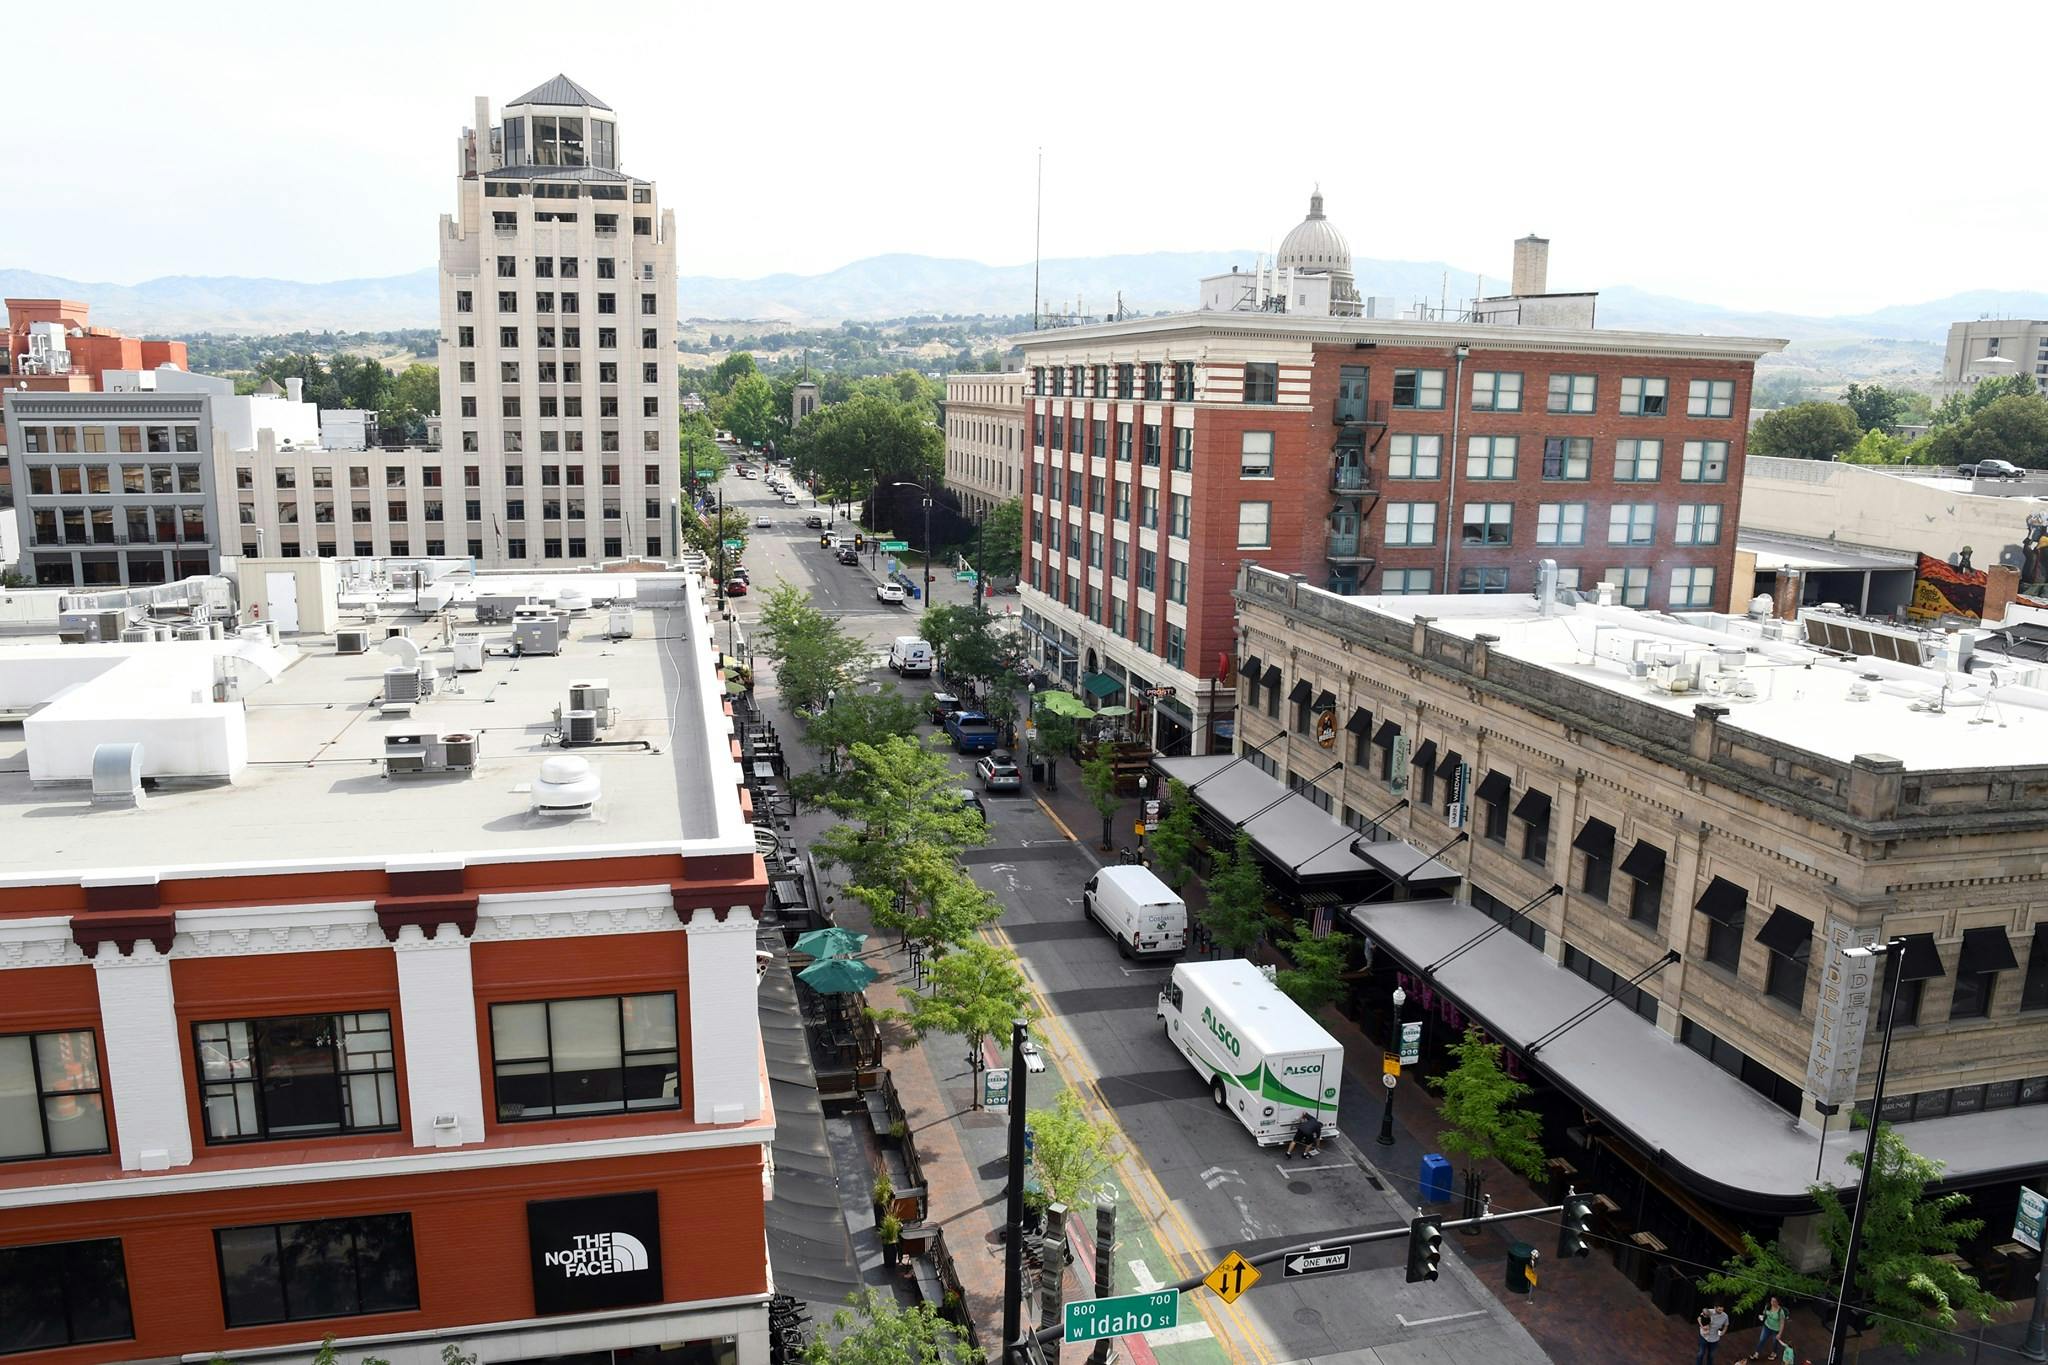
[[1210, 1188]]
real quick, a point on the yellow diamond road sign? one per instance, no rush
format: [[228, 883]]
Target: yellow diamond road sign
[[1232, 1277]]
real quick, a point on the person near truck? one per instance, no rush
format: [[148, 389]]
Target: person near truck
[[1308, 1137]]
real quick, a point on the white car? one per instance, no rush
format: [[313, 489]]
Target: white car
[[764, 522], [789, 500], [890, 592]]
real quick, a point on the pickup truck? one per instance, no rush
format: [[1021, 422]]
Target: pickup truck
[[971, 732], [1990, 469]]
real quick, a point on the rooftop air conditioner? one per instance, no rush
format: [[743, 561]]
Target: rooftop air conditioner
[[537, 635], [620, 626], [579, 727], [594, 694], [401, 688], [469, 651], [351, 641], [404, 754]]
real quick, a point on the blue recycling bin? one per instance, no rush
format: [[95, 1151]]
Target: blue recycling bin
[[1436, 1179]]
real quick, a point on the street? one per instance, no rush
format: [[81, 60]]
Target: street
[[1188, 1169]]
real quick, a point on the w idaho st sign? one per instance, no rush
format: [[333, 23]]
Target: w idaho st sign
[[600, 1252]]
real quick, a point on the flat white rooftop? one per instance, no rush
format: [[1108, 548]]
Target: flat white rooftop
[[1782, 690], [313, 790]]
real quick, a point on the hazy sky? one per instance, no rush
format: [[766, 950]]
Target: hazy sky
[[1796, 156]]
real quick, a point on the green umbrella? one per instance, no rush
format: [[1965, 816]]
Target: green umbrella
[[1114, 711], [831, 941], [1063, 704], [837, 976]]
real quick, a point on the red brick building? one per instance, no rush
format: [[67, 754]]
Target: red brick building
[[1369, 455], [35, 360]]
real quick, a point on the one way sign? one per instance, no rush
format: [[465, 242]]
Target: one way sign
[[1317, 1261]]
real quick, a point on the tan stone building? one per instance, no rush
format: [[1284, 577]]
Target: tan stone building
[[984, 438], [1693, 813]]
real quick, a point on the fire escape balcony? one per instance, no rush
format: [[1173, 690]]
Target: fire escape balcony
[[1346, 547]]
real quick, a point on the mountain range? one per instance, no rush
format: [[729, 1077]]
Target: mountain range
[[1901, 339]]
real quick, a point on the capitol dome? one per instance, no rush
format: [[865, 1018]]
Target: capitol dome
[[1316, 247]]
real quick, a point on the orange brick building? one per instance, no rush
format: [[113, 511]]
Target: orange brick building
[[37, 361]]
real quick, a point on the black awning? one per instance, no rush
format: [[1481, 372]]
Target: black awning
[[1326, 700], [1272, 675], [1425, 754], [1493, 787], [1985, 950], [1534, 806], [1248, 667], [1723, 901], [1360, 722], [1386, 734], [1453, 760], [1785, 933], [1595, 839], [1645, 862], [1920, 960], [1303, 690]]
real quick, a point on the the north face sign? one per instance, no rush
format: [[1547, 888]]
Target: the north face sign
[[595, 1253], [601, 1253]]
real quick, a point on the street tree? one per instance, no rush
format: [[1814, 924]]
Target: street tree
[[1317, 977], [965, 642], [868, 440], [876, 1330], [1002, 541], [749, 411], [812, 653], [1805, 431], [1070, 1151], [1056, 736], [1918, 1299], [731, 370], [1481, 1119], [415, 396], [1878, 447], [1173, 840], [972, 991], [1235, 916], [699, 449], [1960, 407], [707, 534], [898, 801], [1098, 779], [2011, 428], [1876, 407]]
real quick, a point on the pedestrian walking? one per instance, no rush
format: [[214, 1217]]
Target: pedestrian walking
[[1713, 1326], [1770, 1330]]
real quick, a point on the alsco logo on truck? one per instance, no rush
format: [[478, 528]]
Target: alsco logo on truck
[[1223, 1035]]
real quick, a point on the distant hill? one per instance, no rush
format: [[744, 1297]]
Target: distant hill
[[236, 303]]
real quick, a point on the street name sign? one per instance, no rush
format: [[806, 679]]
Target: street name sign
[[1089, 1319], [895, 546], [1316, 1261], [1232, 1277]]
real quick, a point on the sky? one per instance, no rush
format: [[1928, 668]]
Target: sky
[[1801, 157]]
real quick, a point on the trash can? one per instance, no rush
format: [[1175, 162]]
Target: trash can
[[1521, 1268], [1038, 771], [1436, 1178]]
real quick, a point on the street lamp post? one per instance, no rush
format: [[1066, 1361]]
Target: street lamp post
[[832, 704], [1890, 951], [1387, 1080], [927, 542], [1144, 782]]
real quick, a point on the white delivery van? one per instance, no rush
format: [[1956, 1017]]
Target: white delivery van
[[1137, 910], [1266, 1060], [910, 655]]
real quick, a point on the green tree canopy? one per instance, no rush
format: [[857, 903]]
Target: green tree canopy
[[1876, 407], [731, 370], [1070, 1151], [2011, 428], [973, 990], [698, 447], [876, 1330], [707, 534], [812, 653], [415, 396], [748, 412], [1098, 779], [1878, 447], [901, 830], [1236, 916], [1172, 841], [1960, 407], [1805, 431], [1481, 1120], [1056, 736], [849, 447], [1002, 541], [965, 641], [1317, 977]]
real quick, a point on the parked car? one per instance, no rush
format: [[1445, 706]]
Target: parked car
[[789, 500], [763, 523], [814, 522], [1990, 469], [971, 732], [973, 802], [848, 555], [943, 704], [999, 773], [735, 587], [886, 591]]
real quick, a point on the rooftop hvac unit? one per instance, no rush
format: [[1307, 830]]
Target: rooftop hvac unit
[[594, 694], [163, 633], [404, 754], [395, 632], [117, 775], [401, 688], [537, 635], [111, 624], [579, 727], [351, 641], [469, 651], [620, 626], [192, 632], [137, 635], [458, 752], [498, 609], [567, 785], [574, 601], [216, 630]]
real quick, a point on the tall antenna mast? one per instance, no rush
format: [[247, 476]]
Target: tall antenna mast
[[1037, 231]]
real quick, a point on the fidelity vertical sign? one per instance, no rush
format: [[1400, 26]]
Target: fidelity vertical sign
[[599, 1252], [1841, 1015]]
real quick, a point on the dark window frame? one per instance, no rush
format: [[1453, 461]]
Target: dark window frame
[[226, 1087], [626, 1059], [68, 1282], [1262, 382], [285, 1264], [43, 1095]]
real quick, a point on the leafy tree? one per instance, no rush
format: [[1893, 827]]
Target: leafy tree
[[1805, 431], [812, 653], [1172, 840], [1960, 407], [1878, 447], [1002, 541], [1236, 917], [2010, 428], [876, 1330], [730, 371], [972, 991], [1780, 390], [748, 411], [1070, 1151], [870, 716], [1876, 407], [415, 396], [1098, 779], [706, 534], [698, 446], [1317, 977], [1917, 1298], [965, 642], [1056, 736], [850, 447], [902, 827], [1479, 1110]]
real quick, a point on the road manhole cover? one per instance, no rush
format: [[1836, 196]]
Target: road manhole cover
[[1308, 1317], [1300, 1187]]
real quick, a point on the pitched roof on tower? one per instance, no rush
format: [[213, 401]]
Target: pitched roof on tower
[[561, 90]]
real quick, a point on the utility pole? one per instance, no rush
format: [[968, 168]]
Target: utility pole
[[1013, 1214], [1105, 1270], [978, 524], [927, 540], [718, 533]]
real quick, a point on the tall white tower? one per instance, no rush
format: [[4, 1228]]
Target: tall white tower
[[558, 301]]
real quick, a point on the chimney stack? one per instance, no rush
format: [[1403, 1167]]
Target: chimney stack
[[295, 389], [1532, 266]]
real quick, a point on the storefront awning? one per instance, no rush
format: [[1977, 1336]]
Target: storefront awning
[[1985, 950], [1723, 901], [1360, 722], [1248, 667], [1453, 760], [1645, 862], [1920, 960], [1533, 807], [1786, 933], [1424, 755], [1101, 685], [1303, 690], [1326, 700], [1650, 1088], [1272, 675], [1493, 788], [1385, 736], [1595, 839]]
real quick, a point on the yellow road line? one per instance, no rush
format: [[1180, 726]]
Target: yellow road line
[[1058, 823]]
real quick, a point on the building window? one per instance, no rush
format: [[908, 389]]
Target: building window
[[1489, 523], [1176, 646], [1421, 389], [1642, 397], [1415, 457], [297, 1076], [51, 1100], [63, 1294], [1183, 448], [1699, 523], [1407, 582], [1595, 844], [1637, 461], [1123, 381], [602, 1055], [1176, 580], [1183, 382], [1256, 461], [1740, 1065], [1123, 442], [465, 301], [1410, 523], [1789, 938], [1522, 926], [1482, 580], [329, 1268], [1632, 523], [1704, 462], [1261, 384], [1496, 391], [1644, 867], [1612, 983], [1148, 568], [2034, 990], [1490, 457], [1632, 586], [1180, 515], [1567, 457], [1725, 906], [1254, 525], [1561, 523], [1572, 393], [1710, 398], [1692, 587], [1986, 953], [1151, 452], [1154, 389]]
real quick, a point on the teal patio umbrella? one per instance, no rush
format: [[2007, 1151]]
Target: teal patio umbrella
[[837, 976], [831, 941]]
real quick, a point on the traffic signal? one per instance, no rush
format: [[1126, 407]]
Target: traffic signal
[[1571, 1232], [1425, 1247]]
